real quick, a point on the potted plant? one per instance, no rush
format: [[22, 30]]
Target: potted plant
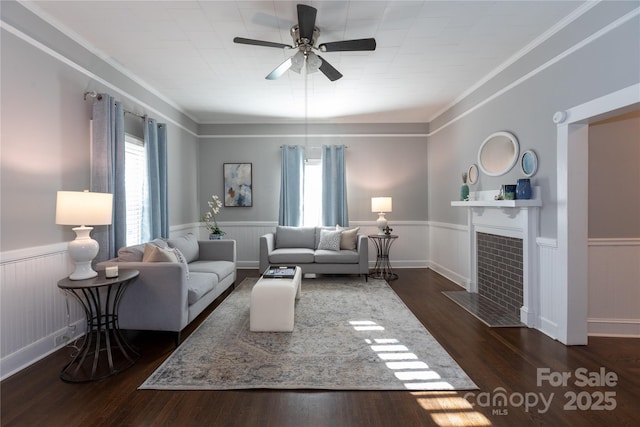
[[209, 218]]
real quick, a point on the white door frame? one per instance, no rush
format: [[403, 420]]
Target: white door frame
[[572, 206]]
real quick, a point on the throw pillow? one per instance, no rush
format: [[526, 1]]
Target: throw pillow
[[295, 237], [188, 245], [349, 238], [153, 253], [182, 259], [135, 253], [330, 240]]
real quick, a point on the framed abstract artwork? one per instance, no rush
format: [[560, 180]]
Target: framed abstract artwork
[[238, 185]]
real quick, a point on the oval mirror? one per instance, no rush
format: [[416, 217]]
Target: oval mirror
[[473, 174], [498, 153], [529, 163]]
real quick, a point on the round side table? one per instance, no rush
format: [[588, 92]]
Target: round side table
[[100, 298], [382, 269]]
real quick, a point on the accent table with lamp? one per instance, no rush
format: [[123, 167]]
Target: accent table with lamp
[[98, 293], [100, 297], [383, 240], [382, 269], [381, 205]]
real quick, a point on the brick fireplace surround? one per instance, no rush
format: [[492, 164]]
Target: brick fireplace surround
[[500, 270]]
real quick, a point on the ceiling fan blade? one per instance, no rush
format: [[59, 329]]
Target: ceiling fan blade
[[306, 21], [328, 70], [349, 45], [280, 70], [253, 42]]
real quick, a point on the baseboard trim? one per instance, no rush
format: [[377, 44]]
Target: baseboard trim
[[27, 356], [459, 280], [549, 327], [621, 328]]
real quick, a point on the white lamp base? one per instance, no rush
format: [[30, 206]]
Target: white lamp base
[[82, 251], [381, 222]]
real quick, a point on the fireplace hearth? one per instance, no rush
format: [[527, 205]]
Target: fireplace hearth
[[488, 312]]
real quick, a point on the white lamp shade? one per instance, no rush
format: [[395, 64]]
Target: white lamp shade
[[381, 204], [313, 63], [84, 208]]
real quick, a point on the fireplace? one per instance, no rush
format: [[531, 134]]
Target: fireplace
[[500, 271], [503, 260]]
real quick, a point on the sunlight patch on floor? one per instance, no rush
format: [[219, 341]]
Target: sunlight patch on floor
[[449, 409], [366, 325], [406, 367]]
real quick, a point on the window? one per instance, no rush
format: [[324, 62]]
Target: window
[[312, 193], [135, 187]]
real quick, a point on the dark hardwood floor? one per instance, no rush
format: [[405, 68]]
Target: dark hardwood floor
[[501, 361]]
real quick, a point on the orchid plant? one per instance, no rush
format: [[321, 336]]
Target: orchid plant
[[209, 218]]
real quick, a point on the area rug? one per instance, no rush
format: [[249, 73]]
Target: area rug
[[348, 335]]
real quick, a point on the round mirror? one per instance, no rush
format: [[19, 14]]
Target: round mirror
[[473, 174], [529, 163], [498, 153]]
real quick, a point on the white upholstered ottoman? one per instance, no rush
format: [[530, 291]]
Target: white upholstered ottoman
[[272, 303]]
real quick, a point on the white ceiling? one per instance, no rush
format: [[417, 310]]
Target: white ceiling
[[428, 54]]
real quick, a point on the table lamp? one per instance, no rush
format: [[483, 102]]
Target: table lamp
[[381, 205], [80, 208]]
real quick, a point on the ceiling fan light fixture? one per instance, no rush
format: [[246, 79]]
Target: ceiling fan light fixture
[[305, 35], [313, 63], [297, 62]]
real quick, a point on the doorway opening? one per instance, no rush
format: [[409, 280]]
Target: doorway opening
[[572, 202]]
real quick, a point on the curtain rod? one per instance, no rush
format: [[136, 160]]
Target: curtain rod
[[316, 146], [134, 114], [94, 94]]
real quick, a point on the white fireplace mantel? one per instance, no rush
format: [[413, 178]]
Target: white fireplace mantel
[[511, 218], [487, 199]]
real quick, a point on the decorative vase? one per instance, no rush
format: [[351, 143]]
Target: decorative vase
[[215, 236], [464, 192], [510, 191], [523, 189]]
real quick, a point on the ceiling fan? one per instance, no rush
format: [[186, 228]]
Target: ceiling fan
[[305, 35]]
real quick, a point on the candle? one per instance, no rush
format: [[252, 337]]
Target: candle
[[111, 271]]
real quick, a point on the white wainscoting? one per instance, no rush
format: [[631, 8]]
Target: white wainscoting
[[408, 251], [247, 237], [614, 287], [548, 276], [34, 311], [449, 251]]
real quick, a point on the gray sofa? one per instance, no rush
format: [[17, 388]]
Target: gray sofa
[[171, 292], [314, 249]]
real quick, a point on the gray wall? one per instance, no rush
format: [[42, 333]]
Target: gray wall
[[604, 65], [45, 131], [614, 177], [389, 163]]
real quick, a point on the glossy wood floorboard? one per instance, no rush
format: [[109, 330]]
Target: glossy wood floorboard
[[498, 360]]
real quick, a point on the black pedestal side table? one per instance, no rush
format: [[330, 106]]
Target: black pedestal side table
[[382, 269], [100, 298]]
